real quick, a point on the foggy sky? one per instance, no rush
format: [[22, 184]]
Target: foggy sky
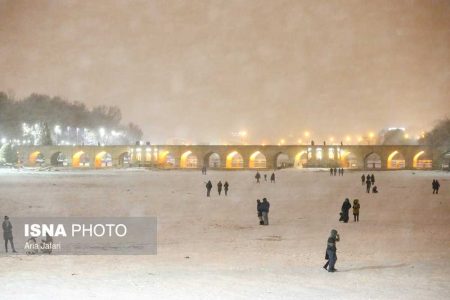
[[200, 70]]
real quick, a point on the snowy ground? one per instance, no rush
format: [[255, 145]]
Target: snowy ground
[[400, 249]]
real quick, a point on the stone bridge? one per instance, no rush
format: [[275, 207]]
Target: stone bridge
[[236, 156]]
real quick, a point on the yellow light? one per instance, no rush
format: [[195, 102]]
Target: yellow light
[[331, 139], [300, 142], [348, 138], [406, 135], [282, 141], [360, 139], [371, 135], [306, 133]]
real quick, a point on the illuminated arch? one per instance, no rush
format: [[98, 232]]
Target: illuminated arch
[[80, 159], [300, 159], [234, 161], [395, 160], [257, 161], [188, 160], [103, 159], [422, 163], [166, 159], [372, 161], [36, 158], [349, 160]]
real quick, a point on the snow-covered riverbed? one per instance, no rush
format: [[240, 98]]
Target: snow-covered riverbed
[[214, 248]]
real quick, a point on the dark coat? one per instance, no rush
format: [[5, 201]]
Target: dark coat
[[225, 186], [265, 206], [7, 230], [209, 185]]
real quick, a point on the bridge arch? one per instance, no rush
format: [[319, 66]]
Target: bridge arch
[[445, 161], [396, 160], [212, 160], [282, 160], [58, 159], [124, 159], [420, 161], [234, 160], [372, 161], [166, 159], [301, 159], [103, 159], [36, 157], [257, 161], [349, 160], [188, 160], [80, 159]]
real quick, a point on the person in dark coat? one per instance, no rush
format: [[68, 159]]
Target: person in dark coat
[[368, 184], [265, 177], [345, 208], [7, 234], [433, 184], [331, 251], [334, 171], [372, 179], [438, 185], [265, 205], [363, 179], [331, 171], [272, 177], [257, 176], [342, 171], [356, 207], [225, 186], [204, 170], [208, 188], [259, 210], [375, 189], [219, 187]]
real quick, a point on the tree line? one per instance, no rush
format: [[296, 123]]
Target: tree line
[[55, 111]]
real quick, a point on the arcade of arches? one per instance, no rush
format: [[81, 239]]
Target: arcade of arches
[[236, 158]]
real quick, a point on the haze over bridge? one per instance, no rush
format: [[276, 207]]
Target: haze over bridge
[[381, 157]]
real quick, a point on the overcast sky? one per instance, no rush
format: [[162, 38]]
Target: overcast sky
[[201, 70]]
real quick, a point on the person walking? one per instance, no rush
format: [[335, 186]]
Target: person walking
[[331, 251], [438, 185], [259, 211], [334, 171], [257, 176], [363, 179], [342, 171], [219, 187], [356, 207], [265, 177], [372, 179], [331, 171], [7, 234], [204, 170], [225, 187], [345, 208], [208, 188], [265, 206], [272, 177], [368, 184]]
